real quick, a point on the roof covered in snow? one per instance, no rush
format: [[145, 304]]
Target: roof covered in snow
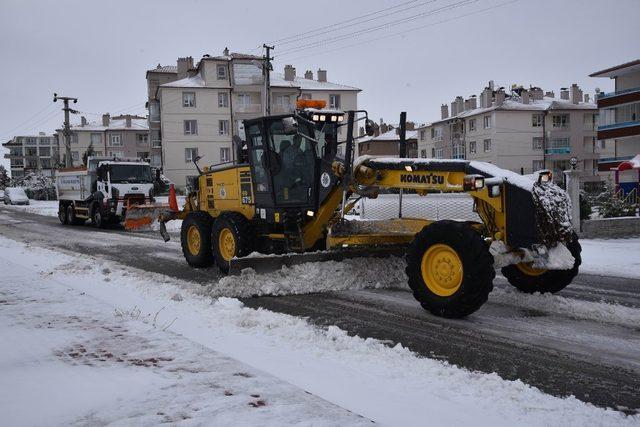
[[194, 81], [277, 80], [164, 69], [390, 135], [545, 104], [114, 124]]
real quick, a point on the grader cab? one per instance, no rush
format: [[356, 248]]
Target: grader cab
[[291, 186]]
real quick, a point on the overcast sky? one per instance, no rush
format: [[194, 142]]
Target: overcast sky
[[99, 51]]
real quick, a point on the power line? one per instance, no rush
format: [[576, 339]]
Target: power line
[[350, 22], [26, 122], [406, 31], [381, 26]]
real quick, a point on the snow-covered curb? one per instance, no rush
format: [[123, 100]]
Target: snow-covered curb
[[390, 385]]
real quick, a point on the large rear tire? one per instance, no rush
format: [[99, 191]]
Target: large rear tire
[[97, 218], [450, 269], [195, 238], [231, 238], [62, 213], [530, 280]]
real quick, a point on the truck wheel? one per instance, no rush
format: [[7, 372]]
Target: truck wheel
[[97, 219], [195, 238], [71, 215], [231, 238], [450, 269], [62, 214], [528, 279]]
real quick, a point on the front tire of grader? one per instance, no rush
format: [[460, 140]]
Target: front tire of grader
[[195, 239], [450, 269], [231, 238], [530, 280]]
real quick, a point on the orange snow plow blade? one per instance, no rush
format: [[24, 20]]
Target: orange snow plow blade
[[142, 217]]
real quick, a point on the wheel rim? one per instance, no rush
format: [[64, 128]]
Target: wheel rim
[[442, 270], [227, 244], [527, 269], [97, 217], [193, 240]]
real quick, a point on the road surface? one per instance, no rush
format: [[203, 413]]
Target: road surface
[[596, 361]]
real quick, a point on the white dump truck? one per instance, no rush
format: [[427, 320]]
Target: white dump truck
[[103, 190]]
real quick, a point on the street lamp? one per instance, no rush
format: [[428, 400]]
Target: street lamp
[[573, 162]]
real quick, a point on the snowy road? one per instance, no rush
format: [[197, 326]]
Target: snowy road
[[585, 341]]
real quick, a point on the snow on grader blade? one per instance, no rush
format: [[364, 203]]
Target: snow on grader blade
[[270, 263], [142, 217]]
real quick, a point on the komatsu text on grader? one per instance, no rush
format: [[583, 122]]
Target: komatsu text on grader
[[289, 189]]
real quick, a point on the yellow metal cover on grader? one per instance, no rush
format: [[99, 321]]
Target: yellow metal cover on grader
[[288, 192]]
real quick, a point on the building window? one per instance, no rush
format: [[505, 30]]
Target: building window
[[223, 99], [487, 145], [458, 150], [334, 101], [190, 127], [487, 122], [283, 102], [31, 141], [244, 100], [537, 143], [98, 153], [45, 151], [156, 160], [225, 154], [472, 125], [602, 144], [142, 154], [472, 147], [96, 139], [561, 121], [154, 111], [306, 96], [117, 154], [75, 156], [45, 141], [536, 120], [433, 153], [223, 127], [423, 153], [45, 163], [115, 140], [423, 135], [439, 153], [155, 139], [142, 139], [190, 154], [188, 99], [74, 138], [436, 134], [537, 165], [221, 71], [31, 151]]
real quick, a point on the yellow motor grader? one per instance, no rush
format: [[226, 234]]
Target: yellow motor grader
[[289, 189]]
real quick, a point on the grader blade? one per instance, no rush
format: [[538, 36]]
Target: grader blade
[[142, 217], [271, 263]]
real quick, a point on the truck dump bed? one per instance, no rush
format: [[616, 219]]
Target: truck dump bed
[[73, 184]]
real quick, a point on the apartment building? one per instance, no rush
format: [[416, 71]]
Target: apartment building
[[118, 136], [387, 144], [202, 111], [619, 113], [32, 153], [156, 77], [524, 130]]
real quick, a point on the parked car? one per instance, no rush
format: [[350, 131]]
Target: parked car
[[15, 196]]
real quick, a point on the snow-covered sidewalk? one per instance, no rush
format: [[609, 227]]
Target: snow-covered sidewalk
[[67, 357], [96, 342]]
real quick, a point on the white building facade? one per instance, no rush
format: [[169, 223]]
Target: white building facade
[[523, 131], [202, 113]]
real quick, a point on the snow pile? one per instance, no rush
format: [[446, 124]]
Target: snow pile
[[577, 309], [494, 171], [553, 213], [38, 207], [356, 273]]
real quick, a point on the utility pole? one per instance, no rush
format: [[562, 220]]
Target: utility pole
[[266, 68], [402, 148], [68, 161]]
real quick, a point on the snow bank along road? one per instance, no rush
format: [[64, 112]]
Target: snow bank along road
[[583, 342]]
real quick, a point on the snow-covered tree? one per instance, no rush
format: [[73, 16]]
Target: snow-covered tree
[[36, 185], [4, 177], [612, 205]]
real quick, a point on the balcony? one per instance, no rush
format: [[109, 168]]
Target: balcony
[[558, 150], [248, 108], [617, 93], [619, 130]]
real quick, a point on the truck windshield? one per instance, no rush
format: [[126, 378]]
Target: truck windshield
[[129, 174]]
